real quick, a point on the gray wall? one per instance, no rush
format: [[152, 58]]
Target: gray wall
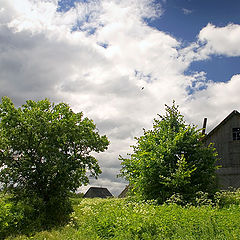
[[229, 153]]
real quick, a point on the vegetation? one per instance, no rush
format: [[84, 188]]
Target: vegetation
[[131, 219], [45, 154], [11, 216], [170, 159]]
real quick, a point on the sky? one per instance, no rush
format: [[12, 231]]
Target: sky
[[121, 61]]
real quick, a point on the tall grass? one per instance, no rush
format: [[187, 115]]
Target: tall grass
[[128, 219]]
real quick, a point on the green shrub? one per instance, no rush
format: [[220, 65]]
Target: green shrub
[[31, 216], [11, 216], [76, 195], [226, 198], [170, 158]]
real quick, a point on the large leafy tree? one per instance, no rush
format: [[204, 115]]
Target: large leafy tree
[[45, 151], [170, 159]]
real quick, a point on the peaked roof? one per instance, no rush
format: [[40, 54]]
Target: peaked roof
[[233, 113], [99, 192], [124, 192]]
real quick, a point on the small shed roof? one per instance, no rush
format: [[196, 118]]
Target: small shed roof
[[97, 192]]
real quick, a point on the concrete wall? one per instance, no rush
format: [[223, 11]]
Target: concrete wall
[[229, 152]]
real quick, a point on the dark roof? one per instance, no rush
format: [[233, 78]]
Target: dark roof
[[234, 112], [97, 192], [124, 192]]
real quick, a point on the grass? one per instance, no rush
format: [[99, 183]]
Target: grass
[[128, 219]]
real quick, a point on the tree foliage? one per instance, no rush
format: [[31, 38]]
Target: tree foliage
[[170, 159], [45, 151]]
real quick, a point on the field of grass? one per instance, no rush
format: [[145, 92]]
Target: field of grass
[[128, 219]]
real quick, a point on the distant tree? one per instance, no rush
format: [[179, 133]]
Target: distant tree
[[45, 152], [170, 159]]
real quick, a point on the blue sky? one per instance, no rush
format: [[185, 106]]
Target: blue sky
[[192, 15], [197, 14], [121, 61]]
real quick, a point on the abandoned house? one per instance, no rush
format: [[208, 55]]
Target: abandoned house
[[97, 192], [226, 139]]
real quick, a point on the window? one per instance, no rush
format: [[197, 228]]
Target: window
[[236, 133]]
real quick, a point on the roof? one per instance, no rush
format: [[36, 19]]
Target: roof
[[124, 192], [94, 192], [233, 113]]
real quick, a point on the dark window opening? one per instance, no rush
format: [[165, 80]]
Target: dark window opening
[[236, 133]]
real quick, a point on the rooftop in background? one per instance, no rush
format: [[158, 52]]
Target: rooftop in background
[[97, 192]]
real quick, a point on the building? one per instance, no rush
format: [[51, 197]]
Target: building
[[124, 192], [226, 139], [97, 192]]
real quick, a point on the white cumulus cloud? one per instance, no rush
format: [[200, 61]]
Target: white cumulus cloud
[[220, 40]]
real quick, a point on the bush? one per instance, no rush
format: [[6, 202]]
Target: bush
[[226, 198], [30, 216], [11, 216], [171, 159]]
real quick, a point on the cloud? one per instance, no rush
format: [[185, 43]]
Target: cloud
[[97, 56], [215, 102], [220, 40], [186, 11], [213, 40]]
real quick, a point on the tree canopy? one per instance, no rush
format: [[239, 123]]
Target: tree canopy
[[46, 150], [170, 159]]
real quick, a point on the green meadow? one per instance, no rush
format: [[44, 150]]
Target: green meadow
[[133, 219]]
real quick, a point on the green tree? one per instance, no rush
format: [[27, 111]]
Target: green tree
[[170, 159], [45, 153]]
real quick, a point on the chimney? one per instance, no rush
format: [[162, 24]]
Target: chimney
[[204, 126]]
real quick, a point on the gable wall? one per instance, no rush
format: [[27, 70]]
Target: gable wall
[[229, 153], [228, 150]]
